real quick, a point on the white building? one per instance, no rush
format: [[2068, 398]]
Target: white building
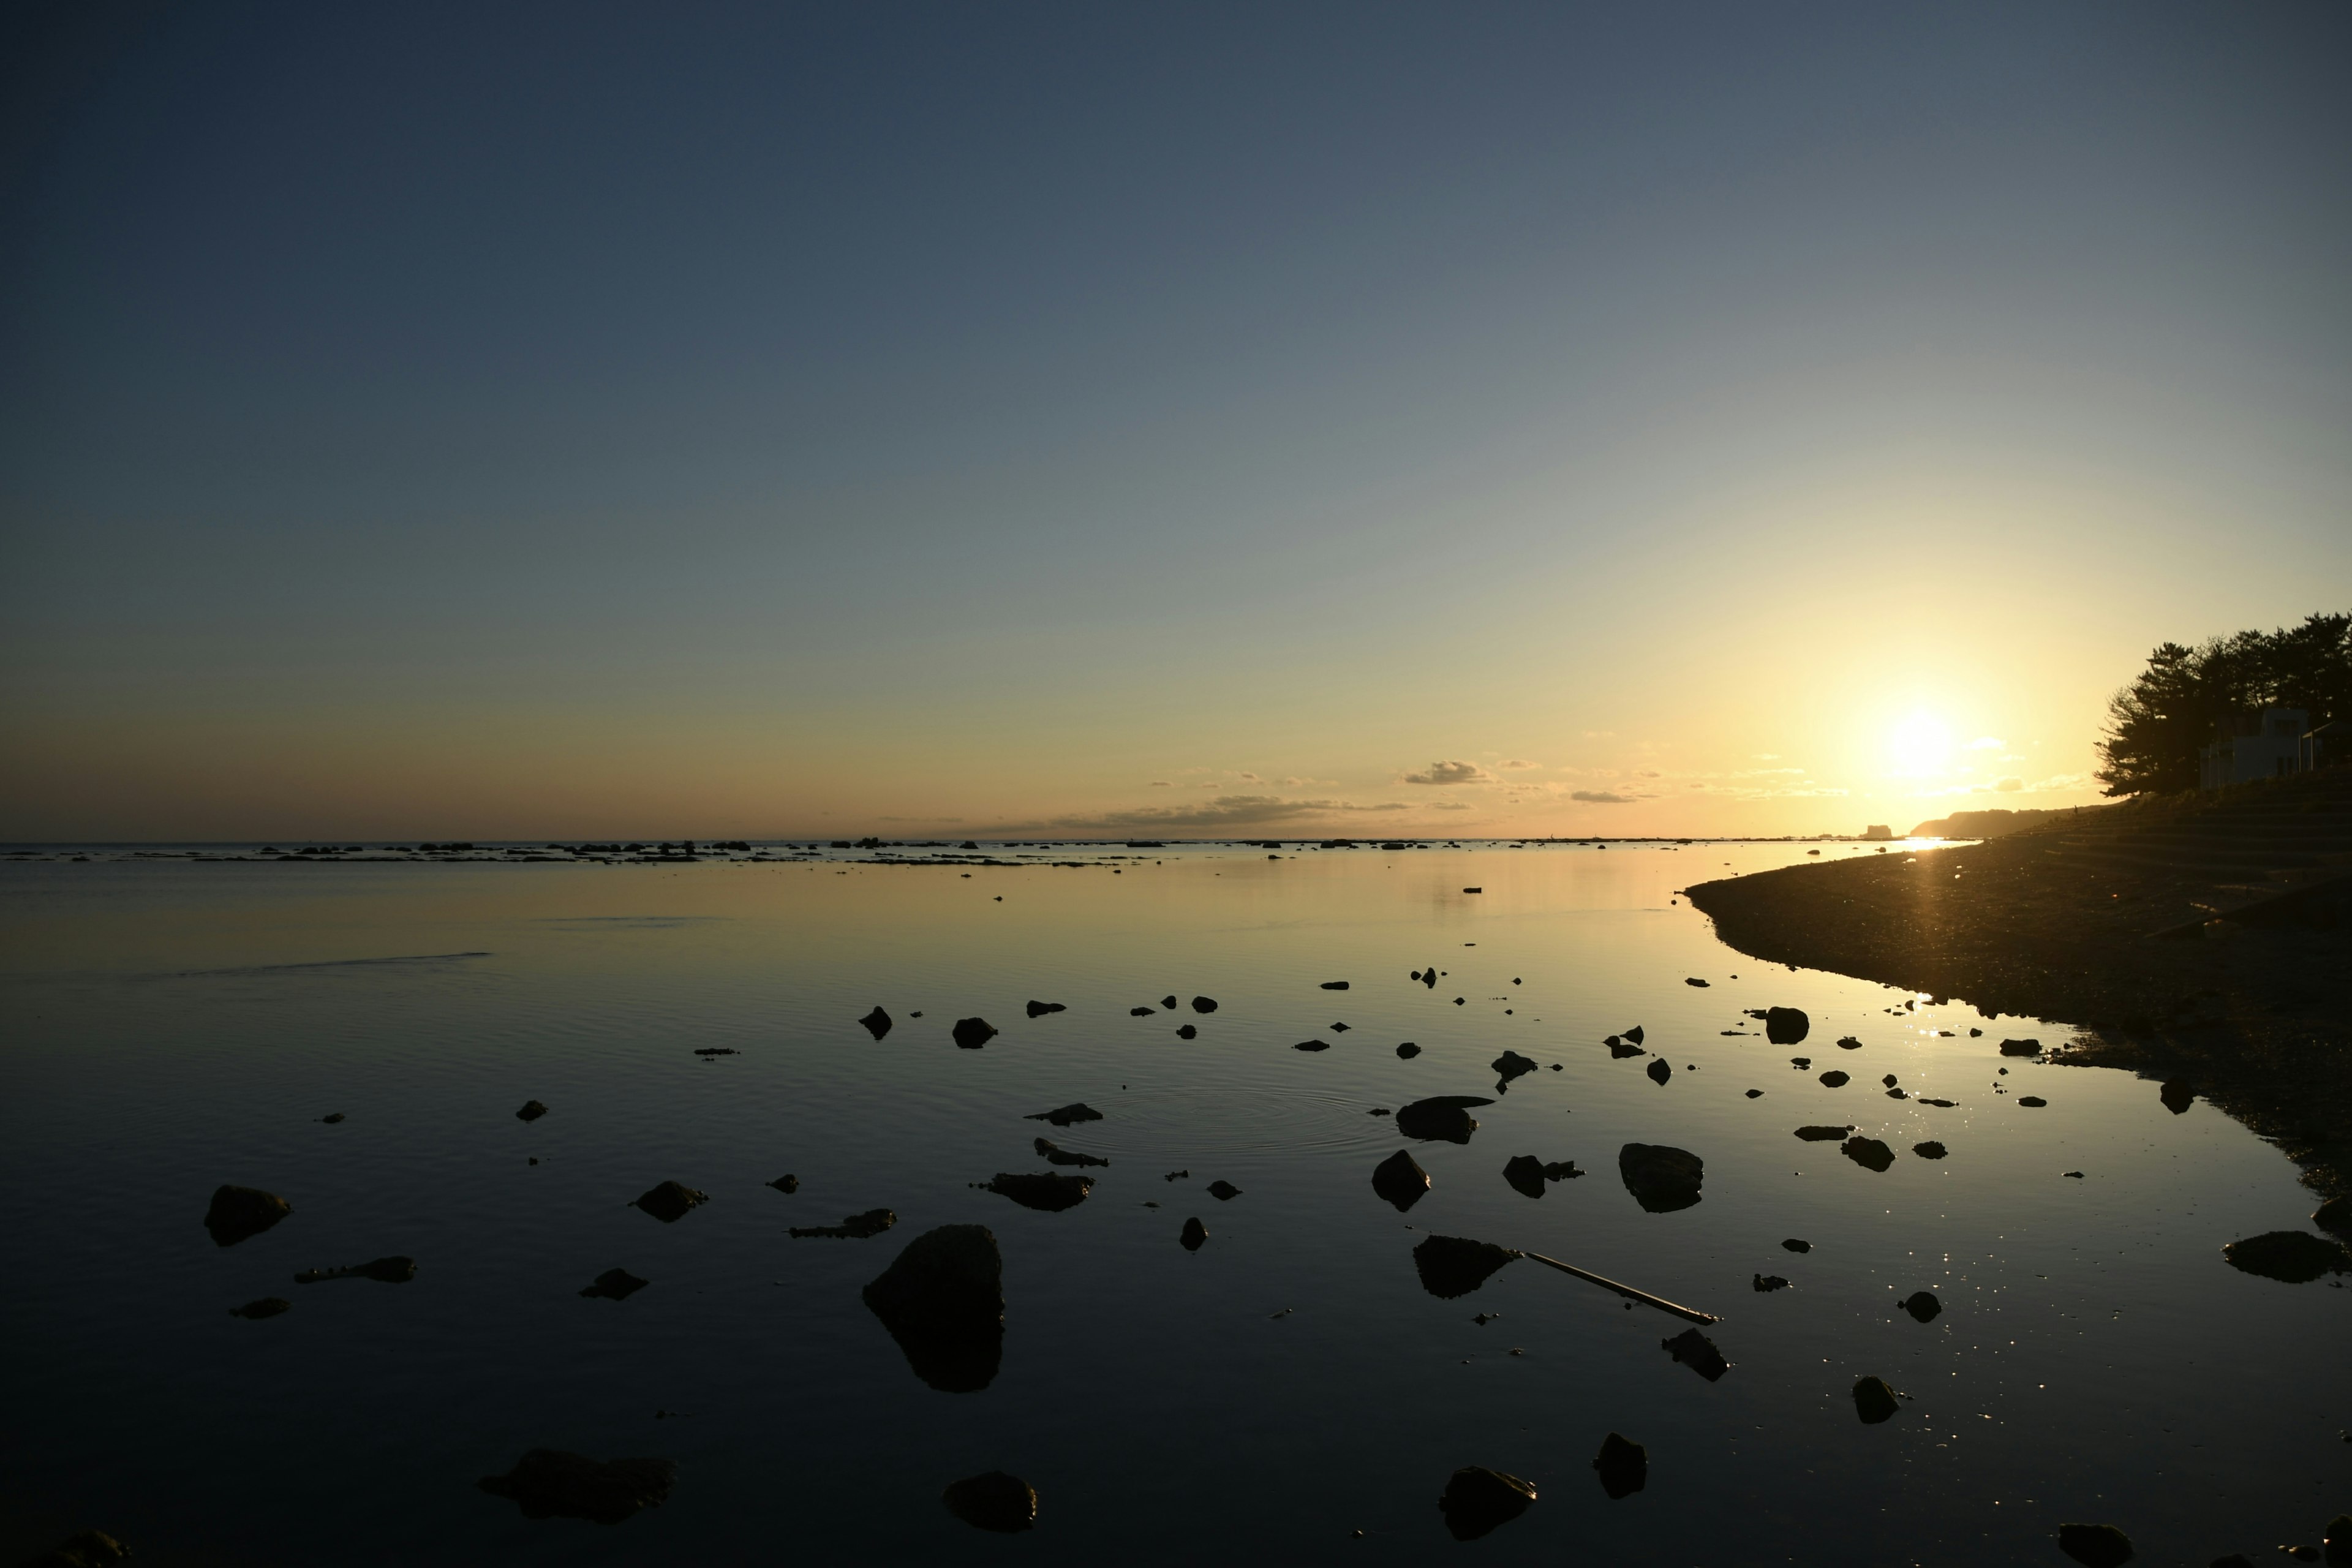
[[2248, 748]]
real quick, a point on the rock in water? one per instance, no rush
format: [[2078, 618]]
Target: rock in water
[[2296, 1257], [1429, 977], [1659, 1072], [1205, 1004], [669, 1201], [531, 1111], [1193, 1235], [1871, 1153], [1479, 1500], [1835, 1079], [1039, 1009], [1873, 1401], [1661, 1177], [386, 1270], [1168, 1003], [1930, 1150], [1624, 1467], [617, 1285], [1635, 1035], [1408, 1050], [237, 1213], [1823, 1133], [265, 1307], [2095, 1545], [1444, 1116], [1057, 1155], [2334, 1214], [1764, 1284], [1062, 1116], [1224, 1191], [943, 1300], [1922, 1306], [1795, 1245], [1526, 1174], [993, 1502], [547, 1482], [856, 1227], [1785, 1025], [1047, 1189], [877, 1023], [1619, 1049], [1562, 1170], [1452, 1265], [786, 1183], [2338, 1539], [971, 1034], [91, 1549], [1401, 1181], [1187, 1032], [2177, 1096], [1312, 1046], [1335, 986], [2021, 1047], [1511, 1065], [1696, 1352]]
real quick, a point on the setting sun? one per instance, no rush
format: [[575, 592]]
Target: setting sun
[[1921, 743]]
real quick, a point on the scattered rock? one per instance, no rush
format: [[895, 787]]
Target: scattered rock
[[856, 1227], [1223, 1191], [1339, 1028], [1661, 1178], [1039, 1009], [943, 1300], [1922, 1306], [996, 1501], [237, 1213], [1057, 1155], [1183, 1175], [669, 1201], [2095, 1545], [1400, 1181], [1823, 1134], [1848, 1043], [1620, 1049], [1800, 1063], [717, 1051], [331, 1118], [1511, 1065], [1659, 1071], [2296, 1257], [388, 1270], [1755, 1094], [615, 1285], [786, 1183], [1204, 1004], [1635, 1035], [971, 1034], [1868, 1152], [1696, 1352], [1624, 1467], [1168, 1002], [1946, 1104], [531, 1111], [1188, 1032], [1930, 1150], [1063, 1115], [1335, 986], [547, 1482], [1785, 1025], [262, 1306], [1873, 1401], [1312, 1046], [1562, 1170], [1525, 1173], [1452, 1265], [1834, 1079], [1444, 1116], [1142, 1012], [90, 1549], [2021, 1047], [1479, 1500], [1194, 1235], [2035, 1100], [1408, 1050], [1793, 1245], [1047, 1189], [2177, 1096], [2334, 1214], [1695, 980], [2338, 1539], [2076, 1174]]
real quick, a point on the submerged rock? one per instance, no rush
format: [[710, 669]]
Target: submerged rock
[[1401, 1181], [1823, 1133], [263, 1307], [1194, 1235], [1224, 1191], [2095, 1545], [547, 1482], [1785, 1025], [669, 1202], [1560, 1170], [1452, 1265], [856, 1227], [971, 1034], [1696, 1352], [1873, 1401], [1057, 1155], [1444, 1116], [1047, 1189], [2035, 1100], [239, 1213], [1624, 1467], [1620, 1049], [1930, 1150], [1479, 1500], [1848, 1043], [943, 1300], [387, 1270], [2296, 1257], [1871, 1153], [615, 1285], [1063, 1115], [1429, 977], [1039, 1009], [1525, 1173], [1922, 1306], [1635, 1035], [877, 1023], [1142, 1012], [531, 1111], [993, 1502], [1661, 1177]]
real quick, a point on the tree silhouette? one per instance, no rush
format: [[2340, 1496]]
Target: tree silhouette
[[2157, 725]]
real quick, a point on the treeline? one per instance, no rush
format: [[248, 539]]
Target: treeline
[[2158, 724]]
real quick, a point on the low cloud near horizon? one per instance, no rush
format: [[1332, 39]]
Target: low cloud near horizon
[[1238, 811], [1452, 773], [1601, 797]]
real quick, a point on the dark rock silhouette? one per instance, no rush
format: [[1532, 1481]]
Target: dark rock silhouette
[[2338, 1539], [1057, 1155], [1922, 1306], [1194, 1235], [1479, 1500], [1335, 986], [2033, 1100], [877, 1023], [1401, 1181], [1765, 1284], [1039, 1009], [1635, 1035], [1624, 1467], [1063, 1115], [786, 1183], [1870, 1153], [331, 1118], [1525, 1173], [1562, 1170], [547, 1482], [2095, 1545], [264, 1307], [386, 1270], [669, 1201], [1452, 1265], [1511, 1065], [2295, 1257], [1408, 1050], [1659, 1071], [943, 1300], [1619, 1049], [531, 1111], [993, 1502], [1187, 1032], [2021, 1047], [237, 1213], [1695, 980], [2334, 1214], [1429, 977], [1823, 1133], [617, 1285], [2177, 1096], [855, 1227], [1835, 1079], [1444, 1116], [1047, 1189], [1696, 1352], [90, 1549], [971, 1034], [1930, 1150], [1873, 1401], [1312, 1046], [1661, 1177], [1142, 1012], [1224, 1191], [1848, 1043], [1168, 1003], [1794, 1245], [1785, 1025], [1204, 1004]]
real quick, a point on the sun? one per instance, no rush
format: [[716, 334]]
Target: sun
[[1921, 743]]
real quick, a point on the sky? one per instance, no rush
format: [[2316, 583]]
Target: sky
[[590, 420]]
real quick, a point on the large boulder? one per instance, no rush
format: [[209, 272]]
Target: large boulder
[[943, 1300], [547, 1482], [1661, 1177], [1452, 1265], [1870, 1153], [1785, 1025], [1441, 1117], [2296, 1257], [1479, 1500], [237, 1213], [1401, 1181]]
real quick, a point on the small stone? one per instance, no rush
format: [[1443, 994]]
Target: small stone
[[1659, 1071], [1870, 1153], [1479, 1500], [1661, 1178], [1930, 1150], [1400, 1181], [1834, 1079], [2177, 1096], [1312, 1046], [1187, 1032], [1823, 1134], [1873, 1401], [1408, 1050], [263, 1307], [1755, 1094], [1194, 1235], [856, 1227], [1444, 1116], [1767, 1283], [1223, 1191], [877, 1023], [1048, 1191], [1922, 1306], [1204, 1004], [531, 1111], [1039, 1009], [996, 1501], [239, 1213], [2021, 1047], [1785, 1025], [1063, 1115], [547, 1482], [1335, 986], [669, 1202], [1696, 1352], [786, 1183], [1793, 1245], [1623, 1465], [385, 1271], [615, 1285], [2095, 1545], [331, 1118], [971, 1034], [1453, 1266]]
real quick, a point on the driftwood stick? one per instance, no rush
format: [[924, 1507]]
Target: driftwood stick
[[1660, 1302]]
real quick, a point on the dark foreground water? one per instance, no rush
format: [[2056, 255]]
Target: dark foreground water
[[170, 1027]]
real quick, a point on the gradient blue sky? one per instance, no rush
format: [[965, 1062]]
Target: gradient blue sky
[[512, 421]]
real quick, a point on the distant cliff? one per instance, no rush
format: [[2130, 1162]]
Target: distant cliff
[[1985, 823]]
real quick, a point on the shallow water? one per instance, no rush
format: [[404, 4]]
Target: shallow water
[[174, 1025]]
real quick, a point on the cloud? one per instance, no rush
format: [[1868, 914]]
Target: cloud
[[1249, 778], [1240, 811], [1451, 773], [1517, 763], [2008, 784], [1602, 798], [1986, 743], [1302, 784], [1161, 784], [1647, 773], [2059, 781]]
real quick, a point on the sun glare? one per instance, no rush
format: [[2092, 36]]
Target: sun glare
[[1921, 743]]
